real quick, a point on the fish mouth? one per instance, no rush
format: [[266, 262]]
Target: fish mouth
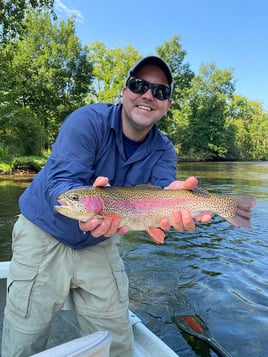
[[65, 200], [64, 204], [68, 209]]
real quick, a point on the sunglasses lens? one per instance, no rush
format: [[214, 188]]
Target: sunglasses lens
[[140, 86], [137, 85], [161, 92]]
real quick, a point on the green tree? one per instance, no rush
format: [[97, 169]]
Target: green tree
[[248, 125], [21, 131], [204, 136], [258, 129], [49, 75], [12, 15], [172, 52], [109, 70]]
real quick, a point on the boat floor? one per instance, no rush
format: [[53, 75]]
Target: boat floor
[[65, 328]]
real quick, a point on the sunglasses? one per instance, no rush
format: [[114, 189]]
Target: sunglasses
[[140, 86]]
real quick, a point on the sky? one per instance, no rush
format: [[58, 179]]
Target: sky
[[231, 33]]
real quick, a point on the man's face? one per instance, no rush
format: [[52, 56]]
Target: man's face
[[141, 111]]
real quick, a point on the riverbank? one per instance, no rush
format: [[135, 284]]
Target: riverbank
[[23, 165]]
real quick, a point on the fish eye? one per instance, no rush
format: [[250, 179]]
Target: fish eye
[[74, 197]]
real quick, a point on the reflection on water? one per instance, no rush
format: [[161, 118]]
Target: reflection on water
[[10, 189], [221, 270]]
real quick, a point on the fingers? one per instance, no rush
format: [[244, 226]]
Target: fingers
[[122, 230], [103, 227], [181, 220], [189, 184], [89, 225], [177, 221], [101, 181], [204, 217], [165, 225], [106, 228]]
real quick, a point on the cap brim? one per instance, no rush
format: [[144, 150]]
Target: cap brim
[[152, 60]]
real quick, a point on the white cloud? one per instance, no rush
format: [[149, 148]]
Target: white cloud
[[64, 10]]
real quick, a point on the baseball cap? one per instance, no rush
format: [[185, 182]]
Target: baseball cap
[[156, 61]]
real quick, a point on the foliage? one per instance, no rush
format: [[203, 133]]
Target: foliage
[[35, 163], [206, 103], [23, 163], [12, 14], [45, 77], [172, 52], [21, 132], [249, 125], [5, 168], [109, 69]]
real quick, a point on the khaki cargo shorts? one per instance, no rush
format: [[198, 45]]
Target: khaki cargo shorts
[[43, 272]]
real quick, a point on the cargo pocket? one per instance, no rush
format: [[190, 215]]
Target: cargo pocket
[[121, 280], [20, 284]]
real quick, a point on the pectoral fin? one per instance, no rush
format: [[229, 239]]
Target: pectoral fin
[[156, 234], [110, 216]]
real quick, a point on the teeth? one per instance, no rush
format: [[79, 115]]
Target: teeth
[[144, 108]]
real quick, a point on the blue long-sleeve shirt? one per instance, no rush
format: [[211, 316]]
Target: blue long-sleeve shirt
[[90, 144]]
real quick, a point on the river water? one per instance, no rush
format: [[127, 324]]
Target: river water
[[218, 272]]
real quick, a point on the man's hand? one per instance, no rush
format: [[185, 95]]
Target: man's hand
[[102, 227], [183, 219]]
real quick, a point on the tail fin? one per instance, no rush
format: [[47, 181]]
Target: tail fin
[[243, 211]]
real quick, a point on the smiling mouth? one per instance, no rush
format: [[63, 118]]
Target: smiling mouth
[[143, 107]]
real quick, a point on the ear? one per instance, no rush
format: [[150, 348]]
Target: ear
[[169, 103], [123, 93]]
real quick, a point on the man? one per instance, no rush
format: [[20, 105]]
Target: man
[[53, 256]]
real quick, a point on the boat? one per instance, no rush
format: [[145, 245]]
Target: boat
[[146, 343]]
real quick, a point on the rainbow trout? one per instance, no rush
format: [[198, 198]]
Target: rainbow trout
[[142, 208]]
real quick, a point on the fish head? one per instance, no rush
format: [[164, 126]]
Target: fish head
[[79, 204]]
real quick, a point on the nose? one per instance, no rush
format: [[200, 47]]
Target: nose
[[148, 94]]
